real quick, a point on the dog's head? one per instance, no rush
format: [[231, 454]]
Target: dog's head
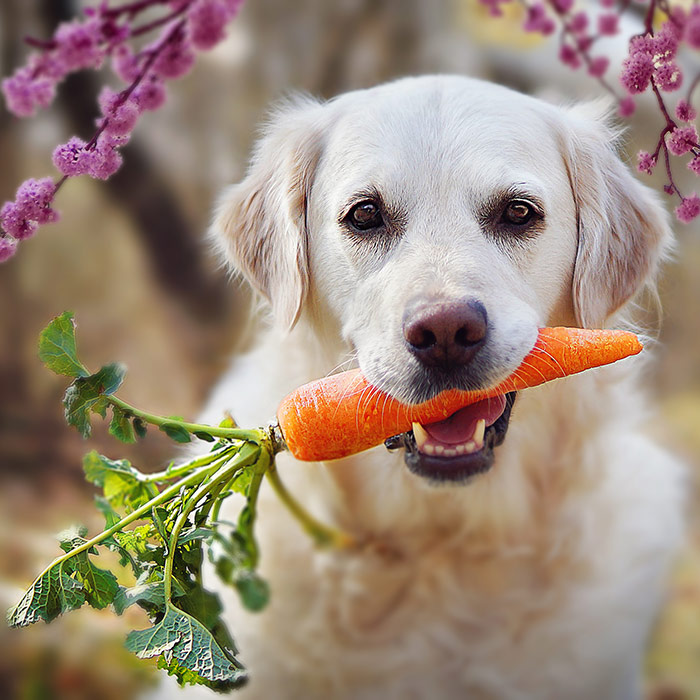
[[434, 224]]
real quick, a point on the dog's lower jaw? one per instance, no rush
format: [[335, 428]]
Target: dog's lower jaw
[[460, 469]]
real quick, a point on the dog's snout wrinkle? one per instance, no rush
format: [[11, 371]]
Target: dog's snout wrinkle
[[445, 334]]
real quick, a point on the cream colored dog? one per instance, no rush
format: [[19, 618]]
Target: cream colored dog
[[424, 230]]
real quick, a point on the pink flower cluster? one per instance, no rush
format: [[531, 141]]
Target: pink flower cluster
[[187, 26], [651, 65], [576, 36]]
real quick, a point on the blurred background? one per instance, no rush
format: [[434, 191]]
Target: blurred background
[[128, 257]]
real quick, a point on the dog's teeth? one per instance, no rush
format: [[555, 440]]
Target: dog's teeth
[[470, 447], [428, 449], [479, 431], [460, 449], [450, 452], [439, 449], [420, 435]]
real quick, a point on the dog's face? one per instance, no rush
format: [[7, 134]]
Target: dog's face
[[435, 224]]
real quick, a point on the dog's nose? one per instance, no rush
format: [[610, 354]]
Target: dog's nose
[[445, 334]]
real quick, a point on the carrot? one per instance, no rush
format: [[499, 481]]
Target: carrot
[[344, 414]]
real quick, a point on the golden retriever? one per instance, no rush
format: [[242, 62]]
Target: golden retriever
[[424, 230]]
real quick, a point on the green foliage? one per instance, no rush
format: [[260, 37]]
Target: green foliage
[[89, 394], [57, 348], [175, 432], [52, 594], [161, 525], [123, 485], [189, 651]]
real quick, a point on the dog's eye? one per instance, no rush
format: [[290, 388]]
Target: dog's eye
[[518, 212], [365, 215]]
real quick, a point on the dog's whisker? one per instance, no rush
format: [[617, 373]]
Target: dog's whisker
[[348, 392], [555, 361]]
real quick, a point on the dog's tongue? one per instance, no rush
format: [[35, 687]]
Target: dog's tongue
[[460, 426]]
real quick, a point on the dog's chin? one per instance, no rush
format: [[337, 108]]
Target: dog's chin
[[444, 463]]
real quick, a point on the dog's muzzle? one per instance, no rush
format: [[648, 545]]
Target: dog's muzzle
[[459, 447]]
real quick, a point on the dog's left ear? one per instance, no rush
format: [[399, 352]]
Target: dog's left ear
[[260, 223], [623, 230]]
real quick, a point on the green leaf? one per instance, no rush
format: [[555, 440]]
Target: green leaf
[[253, 590], [121, 426], [198, 533], [159, 516], [123, 485], [189, 651], [175, 432], [139, 427], [202, 435], [57, 347], [241, 484], [87, 394], [149, 596], [100, 586], [53, 593]]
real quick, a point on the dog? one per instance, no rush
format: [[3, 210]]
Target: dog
[[423, 230]]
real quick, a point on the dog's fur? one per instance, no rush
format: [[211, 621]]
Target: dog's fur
[[541, 578]]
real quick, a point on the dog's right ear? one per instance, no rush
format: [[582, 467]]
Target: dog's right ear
[[260, 224]]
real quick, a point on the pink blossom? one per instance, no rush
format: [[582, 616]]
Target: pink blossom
[[682, 139], [626, 107], [646, 162], [568, 56], [207, 23], [694, 165], [8, 246], [34, 199], [106, 158], [15, 223], [71, 158], [598, 66], [122, 119], [563, 6], [85, 43], [636, 72], [688, 209], [584, 42], [642, 44], [150, 94], [668, 76], [538, 21], [692, 27], [125, 63], [32, 206], [665, 43], [579, 22], [607, 3], [607, 24], [685, 111], [77, 45], [233, 6], [25, 93], [175, 60]]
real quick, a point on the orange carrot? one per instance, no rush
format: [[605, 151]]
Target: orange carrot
[[344, 414]]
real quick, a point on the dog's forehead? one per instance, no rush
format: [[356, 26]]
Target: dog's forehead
[[465, 131]]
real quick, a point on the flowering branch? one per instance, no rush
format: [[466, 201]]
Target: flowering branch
[[650, 65], [105, 32]]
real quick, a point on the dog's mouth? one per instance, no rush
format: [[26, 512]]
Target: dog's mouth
[[459, 447]]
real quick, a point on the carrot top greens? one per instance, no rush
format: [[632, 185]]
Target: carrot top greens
[[162, 525]]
